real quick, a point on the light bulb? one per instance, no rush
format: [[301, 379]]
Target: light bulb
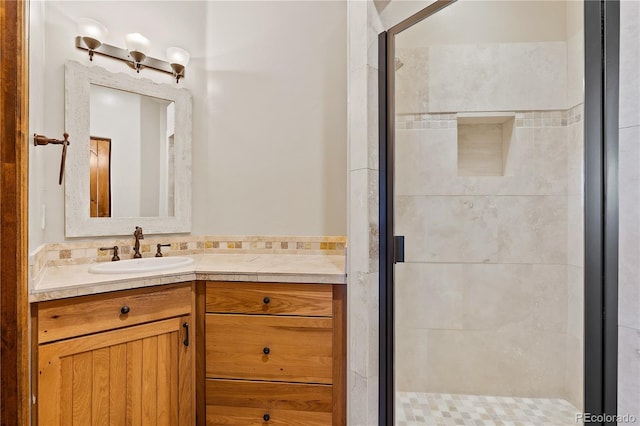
[[92, 33], [138, 46], [178, 58], [177, 55]]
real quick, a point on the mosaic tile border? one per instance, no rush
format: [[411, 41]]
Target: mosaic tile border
[[536, 119], [77, 253]]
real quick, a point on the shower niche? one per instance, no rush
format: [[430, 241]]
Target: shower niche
[[483, 142]]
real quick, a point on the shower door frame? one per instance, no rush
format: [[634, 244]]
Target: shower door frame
[[601, 40]]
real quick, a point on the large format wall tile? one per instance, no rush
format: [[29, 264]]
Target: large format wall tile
[[536, 164], [575, 158], [575, 371], [483, 229], [411, 81], [629, 63], [481, 296], [575, 69], [497, 77], [412, 358], [514, 297], [629, 223], [463, 78], [533, 76], [629, 371], [488, 362], [429, 295]]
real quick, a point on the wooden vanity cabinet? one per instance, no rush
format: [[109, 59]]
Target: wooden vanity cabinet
[[275, 354], [121, 358]]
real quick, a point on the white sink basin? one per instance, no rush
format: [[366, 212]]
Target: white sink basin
[[147, 264]]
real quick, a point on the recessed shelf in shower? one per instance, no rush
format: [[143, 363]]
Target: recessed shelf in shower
[[483, 142]]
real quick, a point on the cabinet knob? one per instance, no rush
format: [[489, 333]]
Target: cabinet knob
[[266, 417], [124, 310], [266, 300], [266, 351]]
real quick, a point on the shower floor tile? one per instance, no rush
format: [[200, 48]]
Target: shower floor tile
[[438, 409]]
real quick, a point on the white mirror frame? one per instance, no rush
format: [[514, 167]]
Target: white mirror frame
[[78, 223]]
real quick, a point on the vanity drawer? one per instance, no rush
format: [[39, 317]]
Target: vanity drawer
[[279, 299], [264, 347], [61, 319], [231, 402]]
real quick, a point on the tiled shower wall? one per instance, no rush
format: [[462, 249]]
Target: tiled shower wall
[[629, 192], [489, 299], [483, 300]]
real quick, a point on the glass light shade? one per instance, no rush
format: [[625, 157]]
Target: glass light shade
[[136, 42], [178, 56], [91, 30]]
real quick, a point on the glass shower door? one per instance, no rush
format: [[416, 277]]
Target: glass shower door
[[488, 152]]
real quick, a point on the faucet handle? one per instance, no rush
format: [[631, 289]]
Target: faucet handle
[[138, 233], [115, 252], [159, 247]]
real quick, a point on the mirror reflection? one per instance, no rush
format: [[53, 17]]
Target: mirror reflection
[[131, 154]]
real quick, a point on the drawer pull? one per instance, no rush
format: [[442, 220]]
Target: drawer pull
[[266, 351], [125, 310], [266, 300], [266, 417]]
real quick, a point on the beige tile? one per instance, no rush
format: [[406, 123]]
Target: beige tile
[[575, 231], [428, 296], [523, 66], [525, 298], [575, 311], [463, 78], [575, 371], [497, 363], [483, 229], [411, 358], [425, 157], [535, 164], [411, 82], [480, 150], [628, 371], [629, 228], [629, 63]]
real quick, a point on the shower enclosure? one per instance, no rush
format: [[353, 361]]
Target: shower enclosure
[[485, 196]]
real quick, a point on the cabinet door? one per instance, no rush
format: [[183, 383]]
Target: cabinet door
[[139, 375]]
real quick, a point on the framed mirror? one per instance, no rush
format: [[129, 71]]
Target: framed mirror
[[129, 162]]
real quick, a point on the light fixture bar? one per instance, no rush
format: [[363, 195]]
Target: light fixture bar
[[123, 55]]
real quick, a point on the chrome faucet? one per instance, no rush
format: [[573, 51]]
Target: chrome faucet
[[136, 247]]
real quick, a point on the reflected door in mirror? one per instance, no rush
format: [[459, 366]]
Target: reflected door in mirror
[[100, 177], [141, 129]]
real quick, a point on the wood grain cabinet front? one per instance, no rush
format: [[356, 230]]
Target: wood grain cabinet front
[[120, 374], [274, 354]]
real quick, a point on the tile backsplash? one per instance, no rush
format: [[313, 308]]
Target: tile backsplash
[[60, 254]]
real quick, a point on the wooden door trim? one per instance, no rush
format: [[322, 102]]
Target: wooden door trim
[[14, 142]]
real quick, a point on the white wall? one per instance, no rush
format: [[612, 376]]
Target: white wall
[[276, 153], [110, 106], [268, 81]]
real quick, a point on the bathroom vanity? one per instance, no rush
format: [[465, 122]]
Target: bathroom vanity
[[275, 352], [193, 345]]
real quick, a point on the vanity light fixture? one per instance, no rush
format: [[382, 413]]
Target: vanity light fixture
[[90, 37], [179, 58], [138, 47], [92, 33]]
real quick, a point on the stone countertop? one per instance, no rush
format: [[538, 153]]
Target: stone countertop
[[58, 282]]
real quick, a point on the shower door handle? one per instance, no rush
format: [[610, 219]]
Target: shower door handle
[[398, 249]]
